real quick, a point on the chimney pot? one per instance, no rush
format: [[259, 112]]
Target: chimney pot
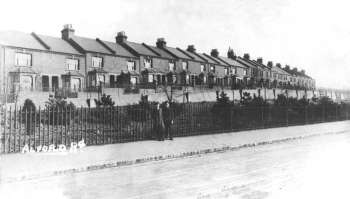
[[191, 48], [214, 53], [161, 43], [269, 63], [67, 31], [121, 37], [246, 56]]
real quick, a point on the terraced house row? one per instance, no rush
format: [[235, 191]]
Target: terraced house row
[[39, 62]]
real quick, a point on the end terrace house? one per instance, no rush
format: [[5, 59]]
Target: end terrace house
[[105, 61], [38, 62]]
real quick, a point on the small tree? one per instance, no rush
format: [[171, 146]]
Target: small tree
[[222, 110], [28, 115]]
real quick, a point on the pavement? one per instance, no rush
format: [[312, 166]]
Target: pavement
[[14, 167]]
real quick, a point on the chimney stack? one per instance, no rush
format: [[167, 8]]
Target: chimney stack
[[161, 43], [121, 37], [302, 72], [191, 48], [246, 56], [231, 54], [260, 60], [67, 32], [270, 64], [214, 53]]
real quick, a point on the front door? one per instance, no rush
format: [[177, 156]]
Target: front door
[[75, 84], [54, 83], [45, 83]]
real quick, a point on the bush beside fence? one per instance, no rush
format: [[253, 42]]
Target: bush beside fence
[[107, 125]]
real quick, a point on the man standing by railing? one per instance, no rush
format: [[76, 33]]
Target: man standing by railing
[[159, 123], [168, 121]]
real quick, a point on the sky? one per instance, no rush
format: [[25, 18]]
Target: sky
[[313, 35]]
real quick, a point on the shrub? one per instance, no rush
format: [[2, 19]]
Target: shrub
[[129, 89], [59, 111], [105, 101]]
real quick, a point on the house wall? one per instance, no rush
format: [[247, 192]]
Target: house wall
[[161, 64], [240, 72], [194, 67]]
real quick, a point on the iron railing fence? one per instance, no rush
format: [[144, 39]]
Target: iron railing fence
[[107, 125]]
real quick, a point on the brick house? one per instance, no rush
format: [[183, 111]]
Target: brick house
[[253, 70], [238, 71], [39, 63], [279, 77], [198, 66], [222, 69], [188, 69], [105, 61], [154, 63]]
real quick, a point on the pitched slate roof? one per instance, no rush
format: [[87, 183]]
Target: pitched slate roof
[[20, 40], [90, 45], [177, 53], [232, 62], [259, 64], [57, 44], [118, 49], [194, 56], [210, 61], [161, 52], [275, 68], [246, 62], [140, 49], [217, 60]]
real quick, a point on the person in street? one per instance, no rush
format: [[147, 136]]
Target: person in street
[[159, 123], [168, 121]]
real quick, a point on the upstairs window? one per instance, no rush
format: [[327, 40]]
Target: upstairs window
[[244, 72], [72, 64], [202, 68], [184, 65], [23, 59], [226, 71], [171, 66], [148, 63], [233, 71], [212, 68], [97, 62], [131, 66]]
